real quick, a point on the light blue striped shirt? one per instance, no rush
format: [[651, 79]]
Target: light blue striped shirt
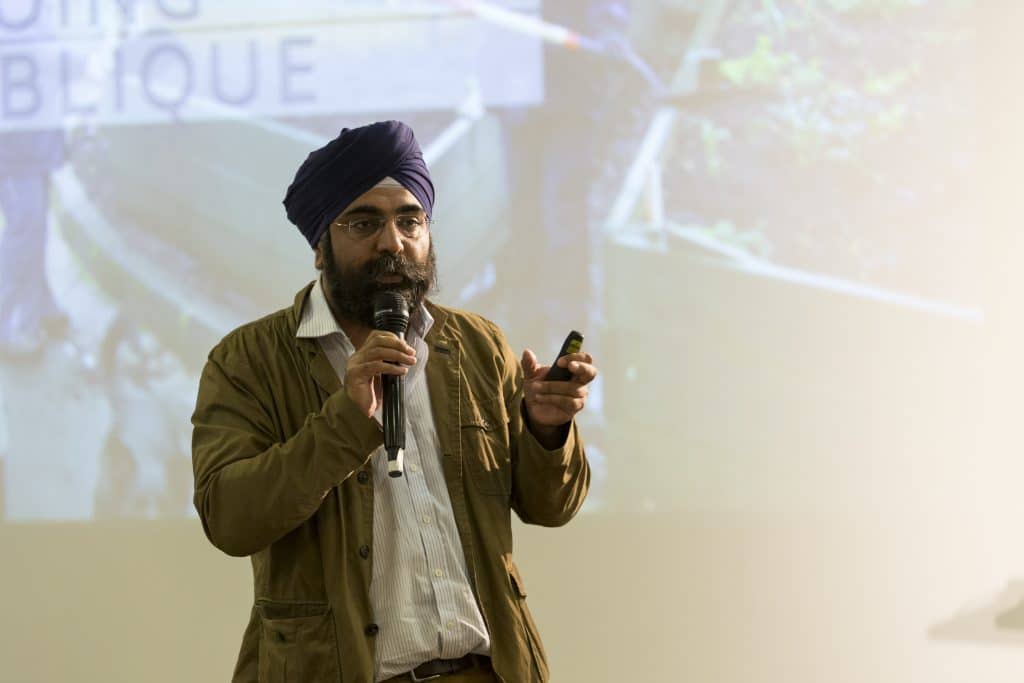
[[421, 597]]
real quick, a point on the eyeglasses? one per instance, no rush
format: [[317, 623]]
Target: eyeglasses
[[411, 226]]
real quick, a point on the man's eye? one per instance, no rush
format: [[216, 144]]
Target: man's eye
[[408, 221], [363, 225]]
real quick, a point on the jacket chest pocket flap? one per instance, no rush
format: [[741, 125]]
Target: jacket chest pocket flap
[[485, 444]]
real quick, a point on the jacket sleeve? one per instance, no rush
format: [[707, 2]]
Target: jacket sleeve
[[251, 489], [548, 486]]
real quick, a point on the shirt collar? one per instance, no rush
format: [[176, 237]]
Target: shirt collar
[[318, 321]]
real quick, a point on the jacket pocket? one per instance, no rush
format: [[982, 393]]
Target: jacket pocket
[[297, 642], [540, 659], [485, 446]]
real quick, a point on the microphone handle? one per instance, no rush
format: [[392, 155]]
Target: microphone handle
[[394, 423]]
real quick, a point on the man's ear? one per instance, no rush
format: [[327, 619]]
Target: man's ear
[[318, 257]]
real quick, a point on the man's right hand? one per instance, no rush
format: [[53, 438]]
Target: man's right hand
[[377, 356]]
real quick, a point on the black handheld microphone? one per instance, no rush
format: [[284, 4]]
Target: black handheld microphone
[[391, 314]]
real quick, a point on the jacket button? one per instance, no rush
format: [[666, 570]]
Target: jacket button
[[364, 551], [372, 630], [362, 477]]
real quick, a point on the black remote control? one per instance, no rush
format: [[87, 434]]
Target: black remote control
[[572, 344]]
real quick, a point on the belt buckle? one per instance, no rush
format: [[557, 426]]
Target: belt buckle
[[413, 676]]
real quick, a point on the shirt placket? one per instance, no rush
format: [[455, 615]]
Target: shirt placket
[[428, 517]]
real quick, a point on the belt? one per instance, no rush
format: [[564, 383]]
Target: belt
[[441, 667]]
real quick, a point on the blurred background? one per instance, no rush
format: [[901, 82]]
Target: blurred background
[[789, 230]]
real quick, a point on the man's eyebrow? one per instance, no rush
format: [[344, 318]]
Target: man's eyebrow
[[377, 211], [363, 208]]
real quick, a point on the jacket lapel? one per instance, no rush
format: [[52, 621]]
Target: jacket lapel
[[320, 367]]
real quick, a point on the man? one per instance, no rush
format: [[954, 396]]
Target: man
[[360, 577]]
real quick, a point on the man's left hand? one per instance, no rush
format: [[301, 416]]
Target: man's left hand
[[550, 405]]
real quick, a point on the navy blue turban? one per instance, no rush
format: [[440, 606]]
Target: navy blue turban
[[333, 176]]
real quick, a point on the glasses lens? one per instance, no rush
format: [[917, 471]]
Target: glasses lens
[[361, 228], [410, 225]]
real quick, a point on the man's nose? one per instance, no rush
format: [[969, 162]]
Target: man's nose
[[390, 239]]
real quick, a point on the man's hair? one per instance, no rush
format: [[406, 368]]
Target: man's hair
[[325, 242]]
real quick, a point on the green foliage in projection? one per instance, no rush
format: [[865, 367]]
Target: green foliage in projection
[[814, 122], [763, 66]]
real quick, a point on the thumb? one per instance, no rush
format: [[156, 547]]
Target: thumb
[[529, 364]]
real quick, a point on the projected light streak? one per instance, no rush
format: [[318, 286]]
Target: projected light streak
[[470, 111], [556, 35], [531, 26], [639, 171], [743, 261]]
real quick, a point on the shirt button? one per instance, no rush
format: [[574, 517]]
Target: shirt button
[[438, 573], [426, 519], [362, 477], [364, 551], [451, 624], [372, 630], [414, 467]]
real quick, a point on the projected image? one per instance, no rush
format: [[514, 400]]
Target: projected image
[[145, 148]]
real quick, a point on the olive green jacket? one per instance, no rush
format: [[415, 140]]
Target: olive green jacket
[[280, 456]]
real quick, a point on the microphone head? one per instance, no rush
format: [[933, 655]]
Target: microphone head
[[390, 312]]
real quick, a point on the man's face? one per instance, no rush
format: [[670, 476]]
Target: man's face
[[355, 268]]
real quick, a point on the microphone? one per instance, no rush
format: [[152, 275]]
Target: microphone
[[391, 314]]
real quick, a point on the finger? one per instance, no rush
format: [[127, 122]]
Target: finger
[[582, 373], [382, 339], [571, 388], [581, 357], [564, 403], [367, 370], [529, 363], [388, 354]]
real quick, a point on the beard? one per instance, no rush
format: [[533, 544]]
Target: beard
[[351, 290]]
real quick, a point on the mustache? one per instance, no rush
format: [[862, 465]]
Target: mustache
[[351, 289], [390, 264]]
